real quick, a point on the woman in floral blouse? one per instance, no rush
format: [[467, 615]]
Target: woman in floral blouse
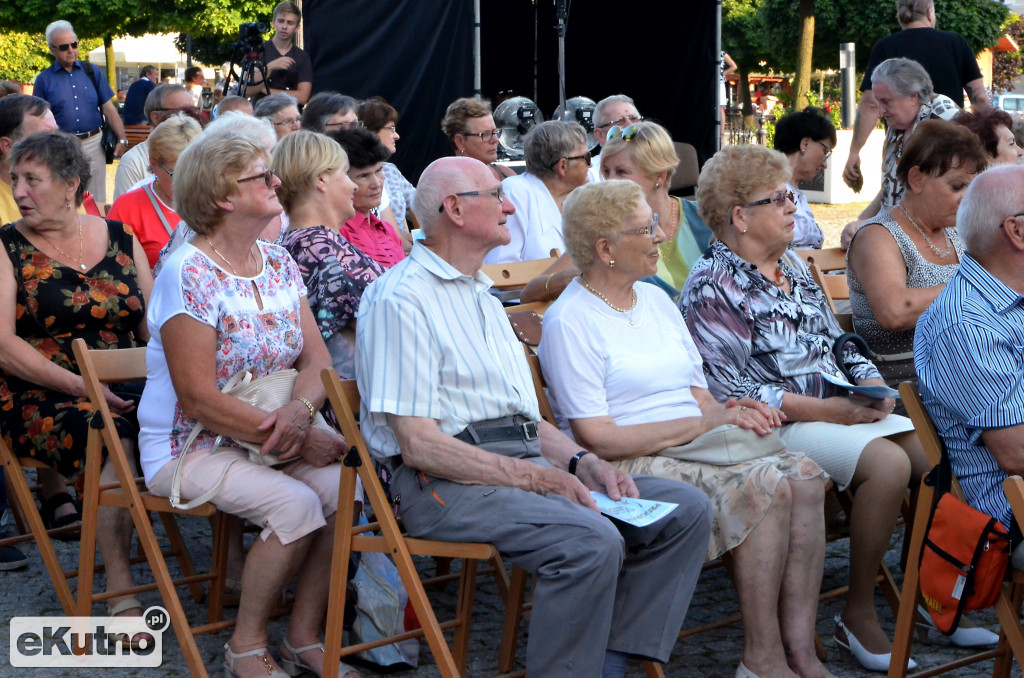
[[316, 193], [66, 276], [765, 332]]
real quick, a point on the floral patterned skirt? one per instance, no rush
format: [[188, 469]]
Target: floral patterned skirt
[[740, 494]]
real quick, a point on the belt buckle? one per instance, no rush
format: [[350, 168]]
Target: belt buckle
[[529, 431]]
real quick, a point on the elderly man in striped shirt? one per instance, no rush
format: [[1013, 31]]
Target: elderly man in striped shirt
[[449, 405], [969, 346]]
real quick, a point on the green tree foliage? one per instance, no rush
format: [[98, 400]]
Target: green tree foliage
[[743, 38], [1008, 65], [864, 22], [22, 56]]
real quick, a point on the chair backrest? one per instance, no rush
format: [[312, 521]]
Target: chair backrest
[[925, 428], [833, 287], [136, 134], [828, 259], [516, 274], [687, 172]]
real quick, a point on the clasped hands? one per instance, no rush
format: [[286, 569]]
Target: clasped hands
[[292, 435]]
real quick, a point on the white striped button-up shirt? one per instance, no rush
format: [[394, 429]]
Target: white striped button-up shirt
[[969, 354], [432, 342]]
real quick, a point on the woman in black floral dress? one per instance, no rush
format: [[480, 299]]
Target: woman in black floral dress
[[66, 276]]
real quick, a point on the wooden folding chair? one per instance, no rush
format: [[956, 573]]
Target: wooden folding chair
[[344, 397], [136, 134], [515, 275], [101, 367], [31, 525], [1007, 607]]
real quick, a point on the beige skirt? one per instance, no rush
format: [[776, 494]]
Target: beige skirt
[[740, 494]]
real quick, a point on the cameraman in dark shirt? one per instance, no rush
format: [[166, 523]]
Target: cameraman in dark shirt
[[288, 67]]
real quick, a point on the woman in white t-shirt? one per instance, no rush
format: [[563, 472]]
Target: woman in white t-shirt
[[227, 302], [627, 382]]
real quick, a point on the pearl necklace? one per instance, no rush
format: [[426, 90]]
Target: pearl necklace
[[610, 304], [941, 254], [65, 254], [665, 247]]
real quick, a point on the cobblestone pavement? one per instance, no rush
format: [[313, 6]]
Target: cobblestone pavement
[[714, 653]]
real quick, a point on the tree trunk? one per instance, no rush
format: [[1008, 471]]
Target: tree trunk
[[108, 50], [748, 109], [802, 81]]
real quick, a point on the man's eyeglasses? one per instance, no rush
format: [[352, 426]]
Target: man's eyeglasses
[[266, 175], [351, 124], [627, 134], [778, 199], [66, 46], [623, 121], [497, 192], [648, 230], [290, 122], [585, 157], [485, 135], [825, 149]]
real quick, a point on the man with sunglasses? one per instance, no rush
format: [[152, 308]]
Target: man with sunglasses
[[163, 102], [556, 163], [450, 407], [616, 110], [80, 99]]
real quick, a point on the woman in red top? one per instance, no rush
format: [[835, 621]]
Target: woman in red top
[[377, 239], [149, 209]]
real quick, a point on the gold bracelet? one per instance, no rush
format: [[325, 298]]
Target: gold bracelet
[[312, 410], [547, 287]]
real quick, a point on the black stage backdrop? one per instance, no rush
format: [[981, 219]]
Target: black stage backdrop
[[418, 54]]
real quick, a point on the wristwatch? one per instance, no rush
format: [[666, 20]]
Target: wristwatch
[[123, 141]]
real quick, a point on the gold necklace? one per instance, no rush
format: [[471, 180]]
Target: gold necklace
[[224, 259], [65, 254], [610, 304], [666, 247], [941, 254]]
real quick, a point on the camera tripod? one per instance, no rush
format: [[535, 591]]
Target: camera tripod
[[251, 62]]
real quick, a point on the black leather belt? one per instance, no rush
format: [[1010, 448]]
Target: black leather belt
[[499, 430], [86, 135]]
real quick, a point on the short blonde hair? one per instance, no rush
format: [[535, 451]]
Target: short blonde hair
[[169, 138], [594, 211], [207, 171], [732, 177], [651, 148], [299, 159]]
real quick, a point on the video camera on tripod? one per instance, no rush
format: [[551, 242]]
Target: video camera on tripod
[[250, 46]]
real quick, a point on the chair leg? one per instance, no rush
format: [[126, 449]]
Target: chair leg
[[339, 571], [180, 551], [513, 618], [15, 506], [904, 634], [653, 669], [464, 614]]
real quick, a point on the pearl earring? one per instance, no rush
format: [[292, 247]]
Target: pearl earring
[[657, 185]]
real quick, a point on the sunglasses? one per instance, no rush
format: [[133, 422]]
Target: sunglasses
[[585, 157], [485, 135], [497, 192], [624, 120], [267, 176], [648, 230], [627, 134], [66, 46], [778, 199]]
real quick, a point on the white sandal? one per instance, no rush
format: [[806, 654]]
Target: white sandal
[[230, 657], [296, 667]]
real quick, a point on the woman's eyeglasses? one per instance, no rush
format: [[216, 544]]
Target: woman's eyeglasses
[[267, 176], [390, 128], [290, 122], [485, 136], [825, 149], [351, 124], [648, 230], [627, 134], [170, 173], [778, 199]]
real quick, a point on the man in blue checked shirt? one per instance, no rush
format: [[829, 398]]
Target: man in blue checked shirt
[[78, 92], [969, 346]]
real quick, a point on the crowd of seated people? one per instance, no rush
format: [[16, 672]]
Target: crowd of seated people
[[280, 238]]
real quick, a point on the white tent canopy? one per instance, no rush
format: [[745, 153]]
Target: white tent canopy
[[158, 50]]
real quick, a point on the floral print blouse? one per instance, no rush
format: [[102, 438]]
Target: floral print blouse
[[757, 341]]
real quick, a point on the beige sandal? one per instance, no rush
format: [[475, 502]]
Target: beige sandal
[[261, 652], [296, 667]]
